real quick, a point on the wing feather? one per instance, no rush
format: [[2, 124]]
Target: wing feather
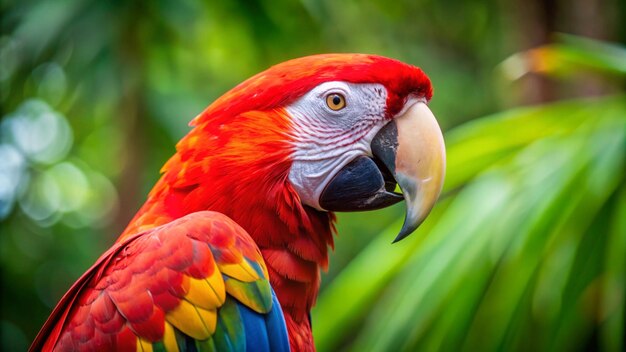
[[198, 283]]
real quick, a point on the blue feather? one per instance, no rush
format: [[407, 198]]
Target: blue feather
[[275, 322], [265, 332]]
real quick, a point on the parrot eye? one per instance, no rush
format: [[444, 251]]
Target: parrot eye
[[335, 101]]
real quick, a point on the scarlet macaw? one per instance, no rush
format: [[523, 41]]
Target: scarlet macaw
[[227, 250]]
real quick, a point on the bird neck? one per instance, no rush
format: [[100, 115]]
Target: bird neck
[[254, 191]]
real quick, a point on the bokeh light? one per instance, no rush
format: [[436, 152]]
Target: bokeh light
[[36, 174], [12, 174], [42, 134]]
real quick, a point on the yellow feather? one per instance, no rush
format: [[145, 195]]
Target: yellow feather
[[169, 338], [194, 321], [208, 293], [241, 271], [143, 345], [216, 281]]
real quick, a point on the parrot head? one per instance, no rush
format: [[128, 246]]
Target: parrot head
[[358, 136], [335, 132]]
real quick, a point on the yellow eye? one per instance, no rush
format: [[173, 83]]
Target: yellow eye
[[335, 101]]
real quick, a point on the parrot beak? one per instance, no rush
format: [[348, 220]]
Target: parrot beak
[[411, 146], [409, 151]]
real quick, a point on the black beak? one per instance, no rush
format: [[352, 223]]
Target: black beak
[[408, 151], [359, 186]]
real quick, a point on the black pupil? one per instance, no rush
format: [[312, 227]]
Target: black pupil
[[336, 100]]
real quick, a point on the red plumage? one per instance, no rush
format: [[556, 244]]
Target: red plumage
[[235, 161]]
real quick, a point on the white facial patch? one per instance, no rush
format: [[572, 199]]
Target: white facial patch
[[327, 140]]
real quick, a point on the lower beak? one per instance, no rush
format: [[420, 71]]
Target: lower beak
[[408, 151]]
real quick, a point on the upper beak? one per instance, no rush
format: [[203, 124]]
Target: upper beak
[[412, 153], [411, 146]]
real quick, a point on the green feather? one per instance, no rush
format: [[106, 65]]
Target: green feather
[[256, 295], [158, 347], [181, 340], [228, 333], [207, 345]]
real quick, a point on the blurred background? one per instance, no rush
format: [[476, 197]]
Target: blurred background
[[525, 251]]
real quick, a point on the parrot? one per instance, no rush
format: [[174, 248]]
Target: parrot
[[227, 251]]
